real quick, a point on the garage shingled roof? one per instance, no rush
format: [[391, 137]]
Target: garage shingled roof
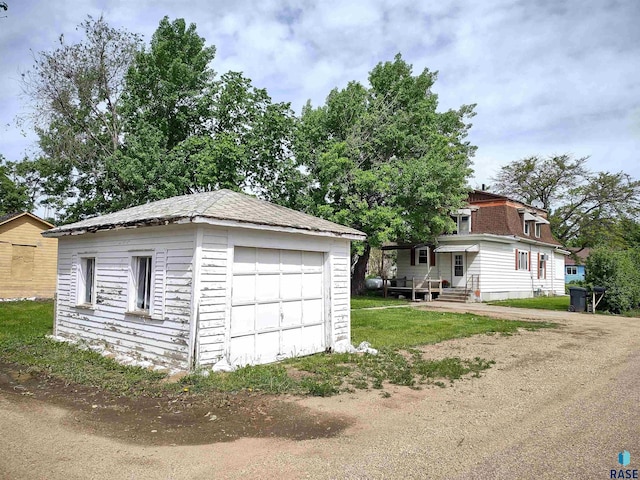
[[223, 205]]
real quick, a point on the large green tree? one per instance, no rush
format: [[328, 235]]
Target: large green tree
[[381, 158], [121, 124], [14, 197], [75, 92], [187, 130], [586, 208]]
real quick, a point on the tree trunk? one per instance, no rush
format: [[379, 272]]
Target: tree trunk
[[359, 272]]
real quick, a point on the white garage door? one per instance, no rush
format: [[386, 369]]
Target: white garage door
[[277, 307]]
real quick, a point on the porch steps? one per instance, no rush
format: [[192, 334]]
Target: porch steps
[[453, 295]]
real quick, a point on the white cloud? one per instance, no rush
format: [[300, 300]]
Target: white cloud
[[548, 76]]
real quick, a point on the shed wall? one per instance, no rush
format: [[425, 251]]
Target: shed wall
[[162, 338], [27, 260]]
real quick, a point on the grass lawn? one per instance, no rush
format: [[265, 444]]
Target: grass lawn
[[395, 332], [542, 303], [370, 301], [410, 327]]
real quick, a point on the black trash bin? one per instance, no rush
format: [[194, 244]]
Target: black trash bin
[[578, 299]]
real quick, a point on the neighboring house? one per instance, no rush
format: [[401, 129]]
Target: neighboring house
[[209, 279], [502, 249], [574, 269], [27, 261]]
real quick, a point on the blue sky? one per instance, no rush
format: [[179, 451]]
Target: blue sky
[[548, 76]]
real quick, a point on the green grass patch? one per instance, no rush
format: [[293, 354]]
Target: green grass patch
[[23, 327], [369, 302], [395, 332], [408, 327], [331, 373], [23, 320], [560, 303]]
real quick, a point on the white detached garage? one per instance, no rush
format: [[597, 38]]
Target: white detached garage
[[206, 279]]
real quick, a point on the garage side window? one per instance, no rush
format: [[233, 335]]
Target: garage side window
[[142, 283], [86, 290]]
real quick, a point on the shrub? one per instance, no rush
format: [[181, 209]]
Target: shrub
[[619, 272]]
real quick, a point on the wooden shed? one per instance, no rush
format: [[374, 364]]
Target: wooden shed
[[209, 279], [27, 261]]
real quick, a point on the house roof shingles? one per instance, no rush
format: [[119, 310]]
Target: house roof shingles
[[224, 205], [506, 220]]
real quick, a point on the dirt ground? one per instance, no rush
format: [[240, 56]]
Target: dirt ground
[[558, 403]]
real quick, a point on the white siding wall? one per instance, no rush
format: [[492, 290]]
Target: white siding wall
[[556, 267], [417, 271], [162, 339], [340, 278], [213, 295], [500, 279]]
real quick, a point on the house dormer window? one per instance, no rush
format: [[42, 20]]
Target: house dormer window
[[537, 230], [527, 229], [463, 224]]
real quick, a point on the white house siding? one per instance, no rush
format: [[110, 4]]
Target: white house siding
[[213, 295], [495, 266], [556, 268], [340, 301], [500, 279], [162, 339], [419, 271]]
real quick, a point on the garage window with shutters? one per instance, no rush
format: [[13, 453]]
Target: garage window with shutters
[[146, 284], [277, 306]]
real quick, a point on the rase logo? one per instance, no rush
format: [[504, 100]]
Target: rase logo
[[624, 459]]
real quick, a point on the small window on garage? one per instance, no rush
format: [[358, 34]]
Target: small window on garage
[[141, 282], [86, 289]]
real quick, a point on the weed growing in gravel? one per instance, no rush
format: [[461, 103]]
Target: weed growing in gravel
[[406, 368]]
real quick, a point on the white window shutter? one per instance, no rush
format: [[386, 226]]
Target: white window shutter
[[74, 276], [157, 311]]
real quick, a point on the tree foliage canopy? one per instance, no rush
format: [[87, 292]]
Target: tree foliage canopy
[[585, 207], [382, 159], [619, 272], [120, 124], [14, 197]]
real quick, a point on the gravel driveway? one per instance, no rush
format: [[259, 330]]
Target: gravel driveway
[[559, 403]]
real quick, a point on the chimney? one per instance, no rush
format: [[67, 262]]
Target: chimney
[[483, 187]]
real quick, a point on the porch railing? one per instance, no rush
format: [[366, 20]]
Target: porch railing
[[428, 286], [473, 284]]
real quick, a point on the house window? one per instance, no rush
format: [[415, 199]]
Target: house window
[[537, 230], [527, 230], [142, 283], [572, 270], [542, 266], [523, 260], [463, 224], [87, 281], [423, 256], [458, 266]]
